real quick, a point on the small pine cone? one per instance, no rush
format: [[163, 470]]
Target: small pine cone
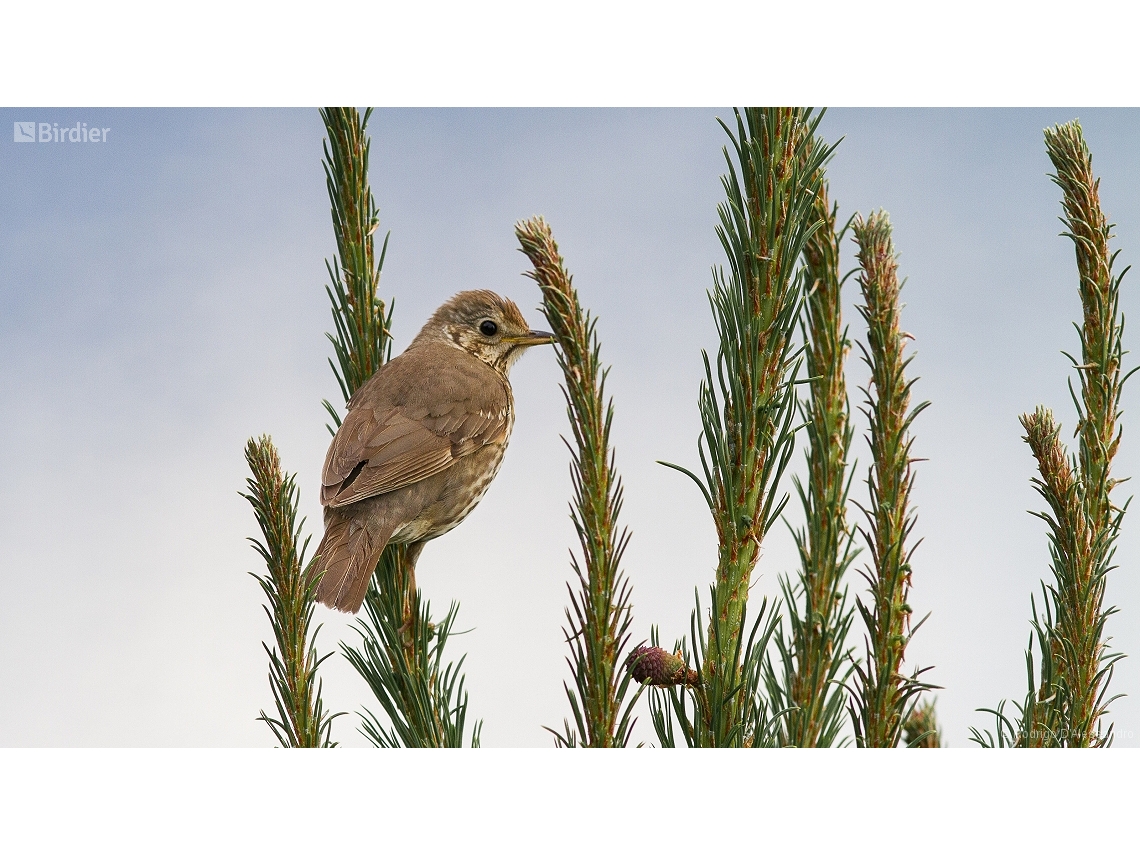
[[653, 666]]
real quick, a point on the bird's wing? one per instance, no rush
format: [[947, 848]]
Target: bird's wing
[[404, 426]]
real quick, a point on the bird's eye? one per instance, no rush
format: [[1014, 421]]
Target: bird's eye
[[488, 328]]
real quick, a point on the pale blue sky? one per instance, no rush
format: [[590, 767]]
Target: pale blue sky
[[162, 299]]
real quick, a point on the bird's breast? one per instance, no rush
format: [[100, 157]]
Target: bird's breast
[[461, 487]]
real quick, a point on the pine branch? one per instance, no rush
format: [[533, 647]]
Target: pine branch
[[599, 619], [363, 340], [815, 663], [425, 702], [302, 721], [1081, 548], [748, 404], [1085, 667], [402, 648], [1068, 695], [884, 697]]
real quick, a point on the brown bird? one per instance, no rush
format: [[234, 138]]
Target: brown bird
[[423, 438]]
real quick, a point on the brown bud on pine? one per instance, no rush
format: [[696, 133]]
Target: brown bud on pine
[[653, 666]]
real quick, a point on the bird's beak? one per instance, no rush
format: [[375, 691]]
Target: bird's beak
[[533, 337]]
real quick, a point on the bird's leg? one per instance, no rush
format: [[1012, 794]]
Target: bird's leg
[[408, 630]]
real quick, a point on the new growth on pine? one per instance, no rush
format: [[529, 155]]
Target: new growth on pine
[[302, 721], [599, 616], [1067, 695], [884, 697], [814, 662]]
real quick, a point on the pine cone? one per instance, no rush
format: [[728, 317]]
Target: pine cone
[[652, 666]]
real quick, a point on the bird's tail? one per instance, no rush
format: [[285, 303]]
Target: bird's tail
[[348, 554]]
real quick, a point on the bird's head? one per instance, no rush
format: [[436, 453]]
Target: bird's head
[[489, 327]]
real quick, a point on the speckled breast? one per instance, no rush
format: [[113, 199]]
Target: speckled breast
[[483, 472], [464, 483]]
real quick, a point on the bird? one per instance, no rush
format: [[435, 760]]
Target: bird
[[423, 438]]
